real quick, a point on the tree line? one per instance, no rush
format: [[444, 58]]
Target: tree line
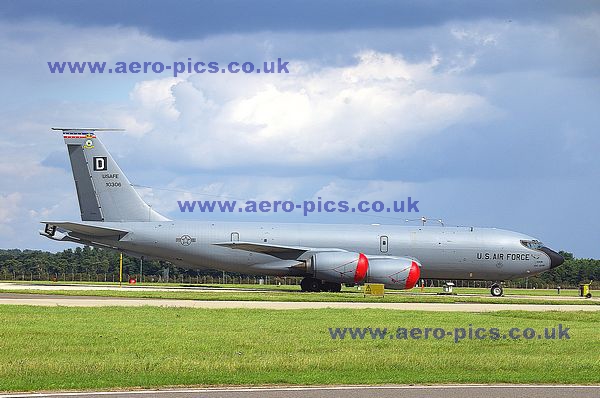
[[87, 263], [84, 263]]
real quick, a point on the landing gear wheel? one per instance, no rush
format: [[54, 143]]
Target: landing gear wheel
[[310, 285], [332, 287], [497, 290], [589, 295]]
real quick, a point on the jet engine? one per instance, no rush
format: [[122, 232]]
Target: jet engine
[[339, 267], [394, 272]]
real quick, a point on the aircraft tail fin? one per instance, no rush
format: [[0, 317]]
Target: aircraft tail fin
[[104, 192]]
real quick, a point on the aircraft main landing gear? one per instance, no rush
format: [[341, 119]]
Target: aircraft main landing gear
[[331, 287], [309, 284], [497, 290]]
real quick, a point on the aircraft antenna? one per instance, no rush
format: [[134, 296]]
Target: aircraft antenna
[[424, 220]]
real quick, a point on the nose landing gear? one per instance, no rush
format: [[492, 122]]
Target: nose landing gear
[[496, 289]]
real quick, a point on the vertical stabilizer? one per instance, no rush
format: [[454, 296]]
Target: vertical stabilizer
[[104, 192]]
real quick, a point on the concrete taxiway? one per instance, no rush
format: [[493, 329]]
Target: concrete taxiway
[[93, 301], [449, 391]]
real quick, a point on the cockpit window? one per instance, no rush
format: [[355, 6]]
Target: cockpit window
[[532, 244]]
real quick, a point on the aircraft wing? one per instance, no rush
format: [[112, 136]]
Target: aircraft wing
[[282, 252]]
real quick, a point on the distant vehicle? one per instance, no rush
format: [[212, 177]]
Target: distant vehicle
[[114, 216]]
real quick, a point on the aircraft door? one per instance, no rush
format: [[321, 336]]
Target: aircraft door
[[383, 244]]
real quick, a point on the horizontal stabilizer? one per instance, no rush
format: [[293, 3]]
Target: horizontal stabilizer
[[85, 229]]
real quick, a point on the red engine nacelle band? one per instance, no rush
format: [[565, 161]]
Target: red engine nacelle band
[[361, 268], [413, 275]]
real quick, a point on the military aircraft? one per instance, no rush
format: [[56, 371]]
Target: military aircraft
[[114, 216]]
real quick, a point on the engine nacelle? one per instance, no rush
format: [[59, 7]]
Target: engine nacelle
[[339, 267], [394, 272]]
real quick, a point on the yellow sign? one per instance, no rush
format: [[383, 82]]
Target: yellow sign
[[374, 289]]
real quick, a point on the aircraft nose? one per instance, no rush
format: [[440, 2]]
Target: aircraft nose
[[555, 258]]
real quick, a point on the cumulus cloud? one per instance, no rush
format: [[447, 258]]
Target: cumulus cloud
[[377, 107]]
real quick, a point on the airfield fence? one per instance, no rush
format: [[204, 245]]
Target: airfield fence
[[178, 279]]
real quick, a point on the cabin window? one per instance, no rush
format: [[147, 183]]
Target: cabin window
[[532, 244]]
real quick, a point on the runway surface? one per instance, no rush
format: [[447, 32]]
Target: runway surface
[[450, 391], [92, 301]]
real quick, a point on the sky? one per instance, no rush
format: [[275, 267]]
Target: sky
[[485, 112]]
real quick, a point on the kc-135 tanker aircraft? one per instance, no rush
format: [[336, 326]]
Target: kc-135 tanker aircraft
[[114, 216]]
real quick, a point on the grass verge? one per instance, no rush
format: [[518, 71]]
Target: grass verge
[[295, 296], [51, 348]]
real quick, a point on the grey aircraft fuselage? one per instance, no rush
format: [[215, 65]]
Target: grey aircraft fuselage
[[444, 252]]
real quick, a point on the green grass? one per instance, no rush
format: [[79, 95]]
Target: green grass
[[294, 288], [514, 291], [52, 348], [460, 290], [295, 296], [430, 290]]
